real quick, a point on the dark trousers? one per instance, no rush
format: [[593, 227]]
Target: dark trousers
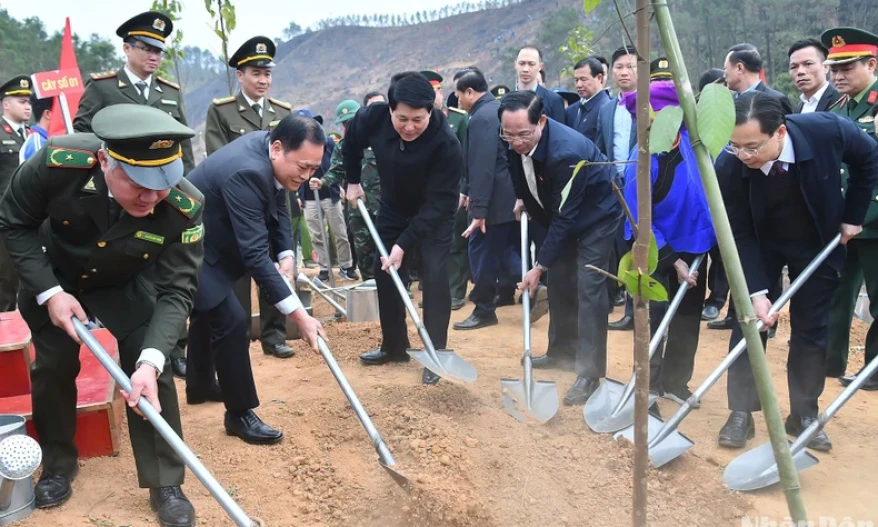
[[434, 251], [809, 327], [861, 263], [8, 280], [578, 301], [54, 393], [459, 273], [618, 250], [273, 324], [670, 368], [495, 265], [218, 339], [717, 281]]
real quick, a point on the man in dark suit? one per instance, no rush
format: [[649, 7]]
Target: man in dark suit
[[581, 229], [809, 74], [780, 182], [743, 66], [528, 66], [493, 232], [248, 229], [588, 74]]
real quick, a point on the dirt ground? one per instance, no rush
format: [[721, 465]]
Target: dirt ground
[[470, 462]]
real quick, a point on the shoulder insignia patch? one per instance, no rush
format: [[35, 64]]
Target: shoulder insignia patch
[[104, 75], [282, 104], [89, 185], [7, 128], [193, 234], [873, 96], [224, 100], [458, 110], [57, 157], [168, 83], [183, 202], [149, 237]]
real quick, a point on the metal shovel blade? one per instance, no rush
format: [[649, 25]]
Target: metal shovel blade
[[757, 468], [666, 450], [397, 477], [543, 403], [450, 366], [602, 411]]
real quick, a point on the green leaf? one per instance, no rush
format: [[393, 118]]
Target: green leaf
[[716, 117], [624, 265], [653, 290], [665, 128], [589, 5], [566, 190], [632, 281], [652, 261]]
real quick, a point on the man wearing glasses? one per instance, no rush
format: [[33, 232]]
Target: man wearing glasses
[[780, 180]]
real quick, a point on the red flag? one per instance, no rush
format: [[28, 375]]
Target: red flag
[[67, 62]]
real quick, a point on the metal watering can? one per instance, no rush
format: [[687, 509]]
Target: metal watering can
[[20, 456]]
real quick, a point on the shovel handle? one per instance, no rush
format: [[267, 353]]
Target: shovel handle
[[326, 296], [525, 295], [235, 512]]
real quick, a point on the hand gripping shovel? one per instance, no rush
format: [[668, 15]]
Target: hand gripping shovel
[[444, 363], [235, 512], [757, 468], [611, 407], [665, 442], [540, 398]]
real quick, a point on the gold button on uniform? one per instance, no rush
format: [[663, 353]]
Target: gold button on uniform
[[84, 276], [94, 270], [102, 244], [65, 222], [146, 256]]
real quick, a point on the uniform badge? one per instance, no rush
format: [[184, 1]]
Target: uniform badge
[[501, 91], [183, 202], [149, 237], [838, 42], [663, 64], [7, 128], [261, 48], [24, 84], [193, 235], [873, 96], [89, 185], [159, 24], [169, 102], [866, 119], [161, 144]]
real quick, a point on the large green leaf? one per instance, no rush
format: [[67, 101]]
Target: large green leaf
[[589, 5], [632, 281], [664, 130], [624, 265], [716, 117], [652, 261], [566, 190], [653, 290]]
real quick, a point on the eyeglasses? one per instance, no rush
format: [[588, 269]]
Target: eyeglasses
[[748, 153], [517, 138], [149, 50]]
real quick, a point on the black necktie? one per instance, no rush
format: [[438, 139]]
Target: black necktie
[[22, 133], [141, 87], [778, 170], [257, 108], [114, 212]]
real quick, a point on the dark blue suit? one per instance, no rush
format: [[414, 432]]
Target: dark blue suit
[[579, 234], [583, 116], [553, 104], [246, 225], [786, 219]]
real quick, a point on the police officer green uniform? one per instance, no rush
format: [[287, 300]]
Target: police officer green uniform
[[144, 35], [228, 119], [12, 137], [86, 222], [851, 46]]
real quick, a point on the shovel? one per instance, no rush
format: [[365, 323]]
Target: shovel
[[665, 442], [611, 407], [303, 280], [324, 237], [444, 363], [540, 398], [757, 468], [235, 512]]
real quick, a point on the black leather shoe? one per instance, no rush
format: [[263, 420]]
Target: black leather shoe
[[475, 322], [539, 304], [323, 276], [457, 303], [581, 390], [795, 425], [379, 357], [626, 323], [429, 378], [619, 299], [212, 394], [249, 427], [178, 366], [737, 430], [709, 313], [549, 362], [172, 507], [504, 301], [772, 331], [281, 351], [870, 386], [53, 489], [349, 274], [723, 323]]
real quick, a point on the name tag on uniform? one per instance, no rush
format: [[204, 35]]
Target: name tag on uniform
[[149, 237], [193, 235], [169, 102], [9, 142], [866, 119]]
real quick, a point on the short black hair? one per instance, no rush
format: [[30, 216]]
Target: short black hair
[[746, 54], [411, 88], [808, 43], [471, 78], [372, 94], [593, 64], [543, 75], [539, 53], [522, 100], [295, 129], [711, 76], [40, 106], [622, 52], [460, 73], [762, 107]]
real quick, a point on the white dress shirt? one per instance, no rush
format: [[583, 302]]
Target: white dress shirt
[[530, 175], [251, 102], [134, 79], [810, 105]]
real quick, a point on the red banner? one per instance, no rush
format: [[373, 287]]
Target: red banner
[[66, 64], [54, 83]]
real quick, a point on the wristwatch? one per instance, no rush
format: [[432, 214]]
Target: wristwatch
[[541, 267], [148, 363]]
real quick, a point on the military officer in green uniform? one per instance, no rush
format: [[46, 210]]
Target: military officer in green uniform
[[852, 61], [86, 221], [143, 39], [15, 99], [228, 119], [458, 265]]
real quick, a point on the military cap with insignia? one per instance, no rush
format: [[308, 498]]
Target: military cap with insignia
[[849, 44], [258, 52], [434, 78], [345, 111], [499, 91], [17, 87], [660, 69], [569, 96], [149, 152], [151, 28]]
